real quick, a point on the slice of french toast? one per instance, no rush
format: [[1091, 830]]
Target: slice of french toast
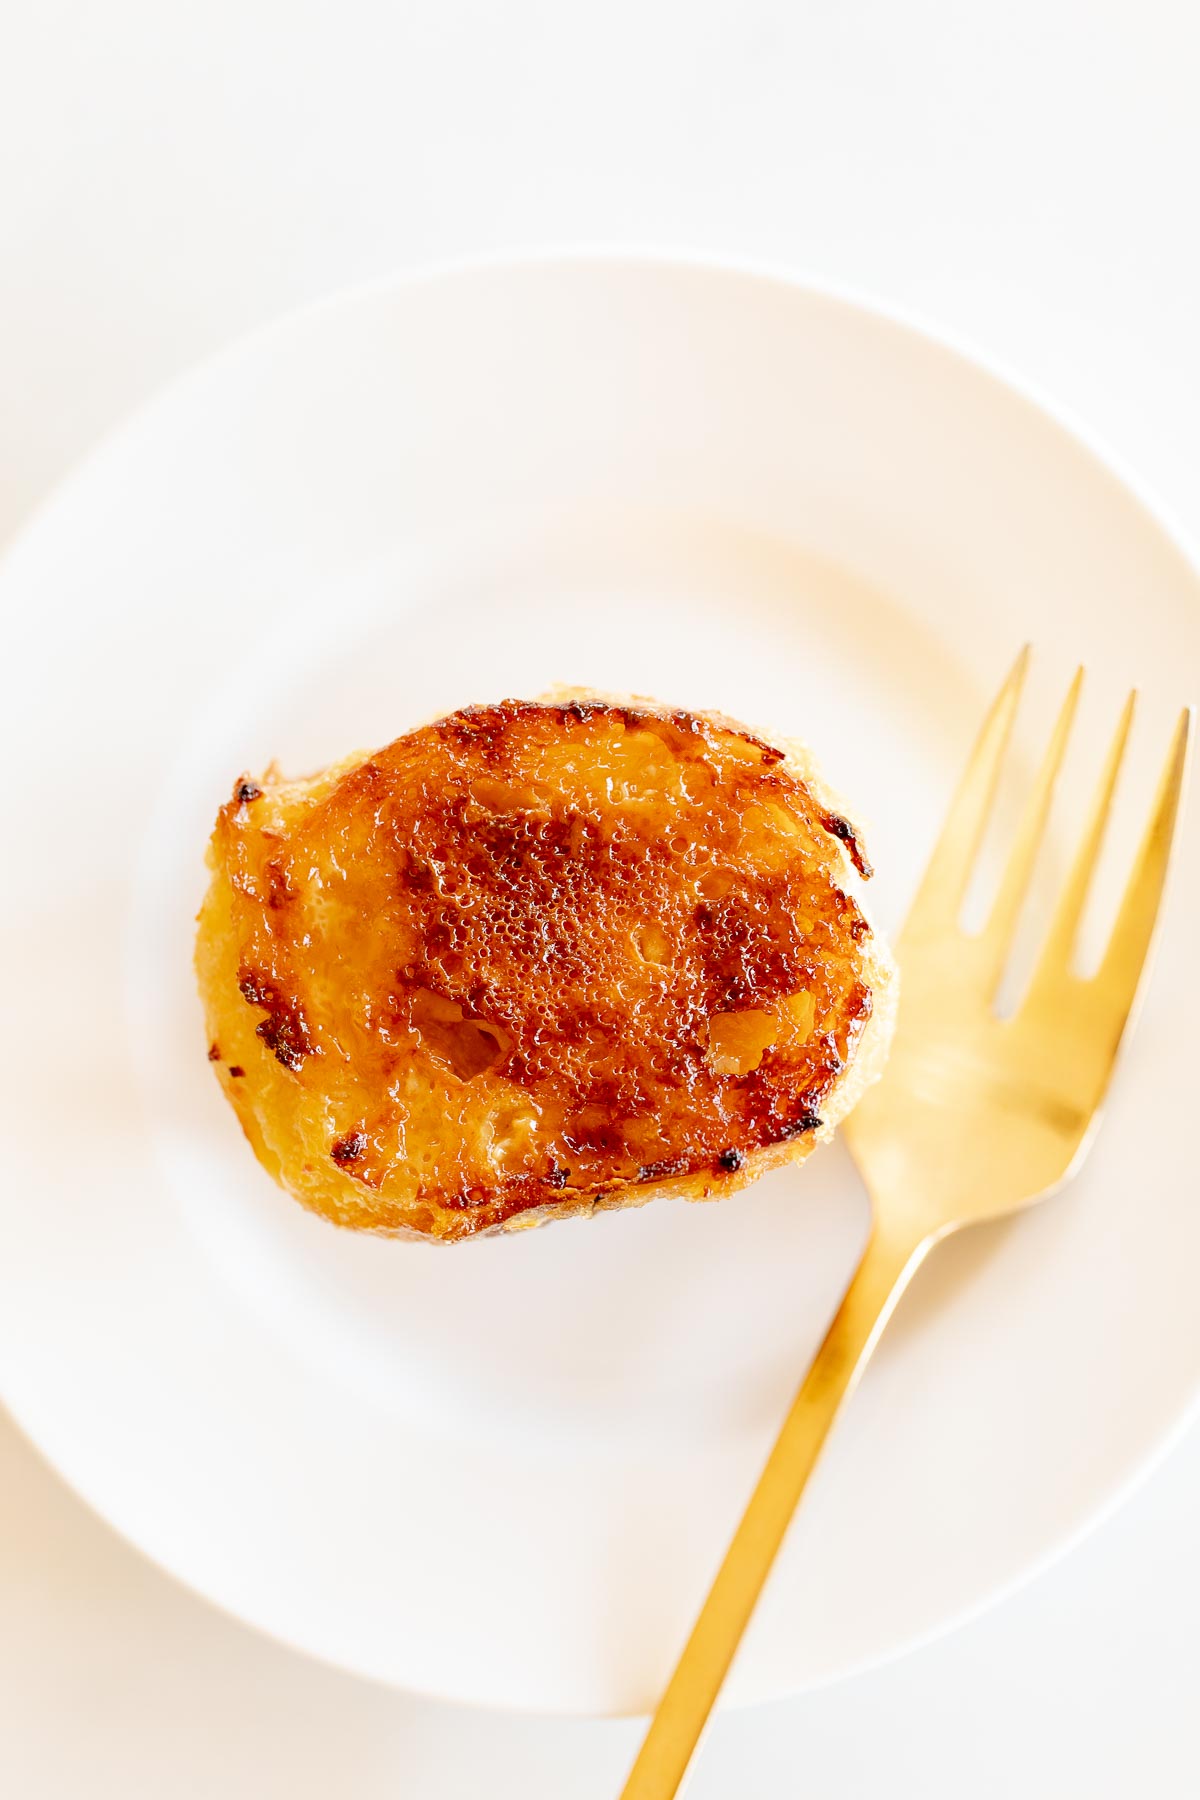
[[535, 959]]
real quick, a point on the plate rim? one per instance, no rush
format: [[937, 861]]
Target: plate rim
[[610, 257]]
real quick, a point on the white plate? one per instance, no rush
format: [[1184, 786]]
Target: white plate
[[504, 1472]]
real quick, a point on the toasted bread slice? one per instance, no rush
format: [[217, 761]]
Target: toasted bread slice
[[535, 959]]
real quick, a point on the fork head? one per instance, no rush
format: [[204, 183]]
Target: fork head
[[977, 1115]]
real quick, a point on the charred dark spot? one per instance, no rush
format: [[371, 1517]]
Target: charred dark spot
[[805, 1121], [247, 791], [348, 1149], [237, 1071], [730, 1161], [558, 1178], [284, 1031], [214, 1053], [843, 830], [670, 1165], [287, 1040]]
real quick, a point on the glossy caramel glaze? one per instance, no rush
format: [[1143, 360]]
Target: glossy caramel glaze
[[532, 955]]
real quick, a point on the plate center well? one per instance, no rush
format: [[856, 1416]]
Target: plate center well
[[674, 1319]]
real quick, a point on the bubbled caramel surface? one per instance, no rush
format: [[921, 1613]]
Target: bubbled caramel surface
[[529, 953]]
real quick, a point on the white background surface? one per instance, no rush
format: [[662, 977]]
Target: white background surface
[[1024, 177]]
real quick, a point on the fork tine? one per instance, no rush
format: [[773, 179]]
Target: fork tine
[[1055, 958], [939, 897], [1132, 934], [996, 937]]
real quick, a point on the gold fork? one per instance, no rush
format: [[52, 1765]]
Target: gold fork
[[976, 1116]]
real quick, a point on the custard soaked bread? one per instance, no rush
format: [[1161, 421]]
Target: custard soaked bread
[[538, 958]]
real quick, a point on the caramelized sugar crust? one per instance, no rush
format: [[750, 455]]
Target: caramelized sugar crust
[[531, 956]]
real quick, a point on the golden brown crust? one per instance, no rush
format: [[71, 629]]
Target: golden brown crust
[[537, 958]]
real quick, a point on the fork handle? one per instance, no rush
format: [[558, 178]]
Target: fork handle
[[662, 1763]]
